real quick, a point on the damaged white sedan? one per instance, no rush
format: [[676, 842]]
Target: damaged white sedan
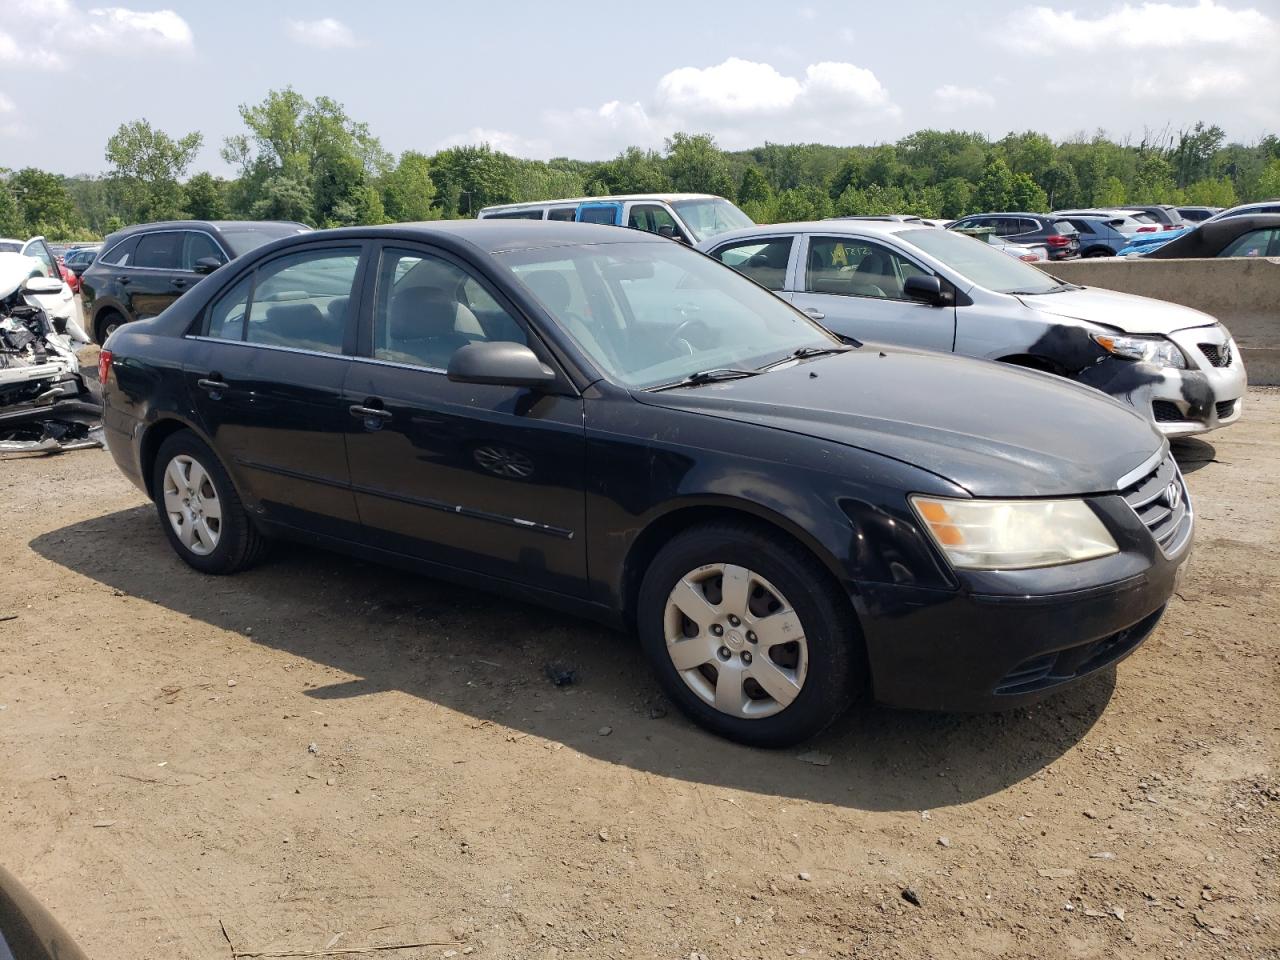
[[45, 403]]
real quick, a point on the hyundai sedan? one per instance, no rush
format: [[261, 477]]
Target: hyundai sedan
[[620, 427]]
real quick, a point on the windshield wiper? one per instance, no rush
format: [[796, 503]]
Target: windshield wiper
[[804, 353], [714, 375]]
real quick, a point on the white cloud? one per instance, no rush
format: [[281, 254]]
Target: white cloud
[[122, 30], [1157, 26], [503, 141], [6, 105], [43, 29], [1199, 82], [326, 33], [741, 102], [953, 99], [733, 87]]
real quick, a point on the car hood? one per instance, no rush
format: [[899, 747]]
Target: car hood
[[1124, 311], [995, 430], [14, 271]]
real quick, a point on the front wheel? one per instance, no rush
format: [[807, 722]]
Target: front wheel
[[747, 634], [199, 508]]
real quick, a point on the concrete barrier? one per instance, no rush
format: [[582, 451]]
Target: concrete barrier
[[1242, 292]]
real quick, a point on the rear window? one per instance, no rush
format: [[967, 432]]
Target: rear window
[[7, 246], [121, 254], [515, 215], [561, 213], [1064, 226]]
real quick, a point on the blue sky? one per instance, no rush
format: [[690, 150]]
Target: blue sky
[[586, 78]]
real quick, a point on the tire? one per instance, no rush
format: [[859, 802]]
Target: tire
[[105, 324], [188, 480], [812, 670], [1098, 252]]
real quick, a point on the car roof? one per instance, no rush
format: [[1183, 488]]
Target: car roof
[[487, 236], [664, 197], [1011, 213], [816, 226], [201, 224]]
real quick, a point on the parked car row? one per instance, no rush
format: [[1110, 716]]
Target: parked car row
[[618, 426]]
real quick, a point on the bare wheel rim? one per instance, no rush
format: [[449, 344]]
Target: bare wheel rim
[[192, 505], [736, 641]]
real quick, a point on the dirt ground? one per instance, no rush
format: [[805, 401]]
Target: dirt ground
[[322, 754]]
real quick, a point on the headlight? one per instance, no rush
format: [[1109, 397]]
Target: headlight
[[1014, 534], [1157, 350]]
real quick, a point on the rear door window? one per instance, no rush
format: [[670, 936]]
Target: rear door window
[[121, 255], [160, 251], [299, 301], [562, 213], [764, 261]]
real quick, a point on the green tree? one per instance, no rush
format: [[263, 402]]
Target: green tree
[[1110, 193], [754, 188], [1027, 194], [1268, 185], [408, 191], [696, 165], [995, 190], [203, 198], [1212, 193], [634, 171], [1193, 157], [1153, 181], [147, 167], [1060, 185], [956, 198], [468, 178], [44, 205], [11, 222], [281, 197]]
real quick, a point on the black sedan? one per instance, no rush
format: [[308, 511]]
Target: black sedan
[[1253, 236], [618, 426]]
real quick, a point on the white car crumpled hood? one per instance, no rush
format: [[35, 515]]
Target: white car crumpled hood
[[1124, 311]]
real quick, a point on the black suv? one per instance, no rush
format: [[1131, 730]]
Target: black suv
[[1056, 233], [143, 269]]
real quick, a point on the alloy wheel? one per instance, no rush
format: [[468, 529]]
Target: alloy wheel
[[192, 506], [736, 641]]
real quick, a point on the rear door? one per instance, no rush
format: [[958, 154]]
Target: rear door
[[266, 380], [766, 260], [854, 286]]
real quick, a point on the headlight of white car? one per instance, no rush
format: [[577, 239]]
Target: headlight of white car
[[1157, 350], [1014, 534]]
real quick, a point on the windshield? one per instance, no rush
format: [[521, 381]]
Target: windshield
[[242, 238], [654, 313], [711, 216], [980, 263]]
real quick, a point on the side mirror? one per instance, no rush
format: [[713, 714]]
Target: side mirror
[[207, 265], [925, 289], [42, 285], [500, 363]]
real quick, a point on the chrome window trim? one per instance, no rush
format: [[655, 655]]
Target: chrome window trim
[[269, 346], [147, 233], [1144, 468]]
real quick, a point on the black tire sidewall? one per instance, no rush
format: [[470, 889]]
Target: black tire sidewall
[[226, 555], [830, 631]]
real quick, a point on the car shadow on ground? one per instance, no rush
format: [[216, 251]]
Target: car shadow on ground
[[487, 657], [1193, 454]]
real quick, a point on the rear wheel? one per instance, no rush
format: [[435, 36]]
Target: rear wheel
[[106, 324], [199, 508], [747, 634]]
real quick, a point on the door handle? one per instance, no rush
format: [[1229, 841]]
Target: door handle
[[213, 384], [373, 416], [179, 282], [124, 280], [815, 313]]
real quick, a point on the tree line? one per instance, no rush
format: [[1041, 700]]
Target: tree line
[[307, 160]]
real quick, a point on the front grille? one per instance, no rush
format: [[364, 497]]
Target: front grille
[[1218, 354], [1051, 669], [1225, 408], [1160, 501], [1166, 411]]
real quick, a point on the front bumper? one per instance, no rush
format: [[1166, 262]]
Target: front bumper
[[1207, 395], [1006, 639]]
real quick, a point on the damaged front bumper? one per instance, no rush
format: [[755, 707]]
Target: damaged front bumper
[[1207, 394]]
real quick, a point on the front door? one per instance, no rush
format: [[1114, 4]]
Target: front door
[[482, 478], [266, 381], [854, 287]]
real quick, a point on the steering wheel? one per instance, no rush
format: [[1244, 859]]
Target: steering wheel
[[680, 338]]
